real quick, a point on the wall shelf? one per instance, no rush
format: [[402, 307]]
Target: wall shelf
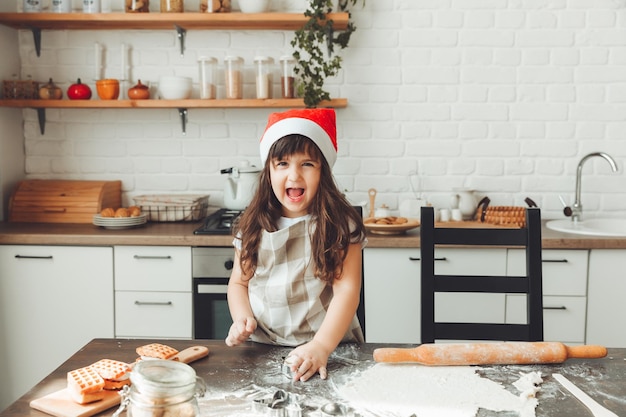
[[181, 105]]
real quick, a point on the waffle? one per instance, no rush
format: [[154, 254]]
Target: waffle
[[85, 385], [156, 350], [111, 369]]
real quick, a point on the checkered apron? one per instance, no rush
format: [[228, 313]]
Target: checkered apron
[[288, 301]]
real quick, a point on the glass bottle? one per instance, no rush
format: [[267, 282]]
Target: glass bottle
[[263, 68], [233, 76], [206, 68], [172, 6], [287, 76]]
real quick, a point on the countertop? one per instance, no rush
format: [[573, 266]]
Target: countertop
[[181, 234], [234, 376]]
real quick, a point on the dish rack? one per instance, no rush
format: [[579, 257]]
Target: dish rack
[[173, 207]]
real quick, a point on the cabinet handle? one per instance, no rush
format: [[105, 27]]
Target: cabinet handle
[[554, 308], [413, 258], [32, 257], [561, 261], [153, 303], [152, 257]]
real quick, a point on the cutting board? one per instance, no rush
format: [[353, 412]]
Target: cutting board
[[60, 404]]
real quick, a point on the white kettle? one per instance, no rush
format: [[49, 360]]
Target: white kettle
[[240, 185]]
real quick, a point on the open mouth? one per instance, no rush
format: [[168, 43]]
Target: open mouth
[[295, 193]]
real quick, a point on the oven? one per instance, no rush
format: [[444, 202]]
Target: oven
[[211, 267]]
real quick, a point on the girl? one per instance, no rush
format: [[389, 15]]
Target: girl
[[296, 278]]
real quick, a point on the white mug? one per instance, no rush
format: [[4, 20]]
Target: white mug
[[444, 215], [61, 6], [456, 215], [91, 6]]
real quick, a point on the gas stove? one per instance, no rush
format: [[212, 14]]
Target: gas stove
[[218, 223]]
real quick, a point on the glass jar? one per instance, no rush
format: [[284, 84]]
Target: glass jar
[[161, 387], [233, 76], [137, 6], [263, 67], [206, 69], [215, 6], [172, 6], [287, 76]]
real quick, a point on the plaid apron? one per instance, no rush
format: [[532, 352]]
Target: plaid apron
[[288, 301]]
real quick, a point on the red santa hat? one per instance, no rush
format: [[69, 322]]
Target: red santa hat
[[316, 124]]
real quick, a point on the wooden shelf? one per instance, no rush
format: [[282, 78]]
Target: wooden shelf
[[159, 21], [166, 104]]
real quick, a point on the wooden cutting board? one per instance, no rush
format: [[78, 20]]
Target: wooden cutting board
[[60, 404]]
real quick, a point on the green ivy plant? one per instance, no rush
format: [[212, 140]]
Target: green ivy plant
[[316, 49]]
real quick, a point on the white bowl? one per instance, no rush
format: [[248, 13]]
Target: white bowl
[[254, 6], [172, 87]]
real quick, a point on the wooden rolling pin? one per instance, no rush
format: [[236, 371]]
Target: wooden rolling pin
[[497, 353]]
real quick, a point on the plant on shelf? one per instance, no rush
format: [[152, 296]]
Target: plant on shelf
[[317, 48]]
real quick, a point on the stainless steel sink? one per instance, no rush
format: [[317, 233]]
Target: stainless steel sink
[[592, 227]]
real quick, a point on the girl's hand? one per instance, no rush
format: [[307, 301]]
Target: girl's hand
[[307, 360], [240, 331]]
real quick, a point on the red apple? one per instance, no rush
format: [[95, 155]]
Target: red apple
[[79, 91]]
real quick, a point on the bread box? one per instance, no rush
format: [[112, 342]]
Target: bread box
[[62, 201]]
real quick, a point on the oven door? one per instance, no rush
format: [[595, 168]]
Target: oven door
[[211, 317]]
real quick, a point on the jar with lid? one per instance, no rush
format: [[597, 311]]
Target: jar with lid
[[162, 387], [287, 76], [172, 6], [137, 6], [263, 69], [233, 76], [206, 68], [215, 6]]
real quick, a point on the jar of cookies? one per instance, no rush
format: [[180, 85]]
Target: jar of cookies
[[215, 6], [172, 6], [160, 387], [137, 6]]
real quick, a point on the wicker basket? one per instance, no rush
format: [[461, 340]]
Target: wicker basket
[[20, 89], [172, 207]]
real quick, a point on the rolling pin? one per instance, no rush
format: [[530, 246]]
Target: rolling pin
[[497, 353]]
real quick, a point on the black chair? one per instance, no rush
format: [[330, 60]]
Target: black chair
[[528, 237]]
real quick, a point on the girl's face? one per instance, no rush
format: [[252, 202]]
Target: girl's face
[[295, 179]]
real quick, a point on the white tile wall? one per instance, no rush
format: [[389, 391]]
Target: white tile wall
[[502, 96]]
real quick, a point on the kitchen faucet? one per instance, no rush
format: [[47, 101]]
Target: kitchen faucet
[[576, 211]]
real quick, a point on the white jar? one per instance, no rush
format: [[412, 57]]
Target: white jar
[[61, 6], [263, 70], [91, 6], [207, 70], [32, 6]]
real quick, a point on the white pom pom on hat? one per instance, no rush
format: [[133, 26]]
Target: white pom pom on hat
[[319, 125]]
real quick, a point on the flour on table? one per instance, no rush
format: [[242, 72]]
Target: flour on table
[[434, 391]]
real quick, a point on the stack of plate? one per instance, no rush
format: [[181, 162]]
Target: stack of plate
[[119, 222]]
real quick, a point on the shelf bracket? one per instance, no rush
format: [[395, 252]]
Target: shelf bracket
[[183, 119], [41, 117], [37, 40], [181, 33]]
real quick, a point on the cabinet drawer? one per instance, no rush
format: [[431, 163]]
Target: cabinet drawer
[[153, 314], [152, 268], [563, 317], [564, 271]]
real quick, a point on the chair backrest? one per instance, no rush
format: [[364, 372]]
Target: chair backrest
[[528, 237]]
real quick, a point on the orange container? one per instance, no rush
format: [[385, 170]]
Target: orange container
[[108, 89]]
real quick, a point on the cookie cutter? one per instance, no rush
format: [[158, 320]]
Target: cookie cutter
[[281, 404]]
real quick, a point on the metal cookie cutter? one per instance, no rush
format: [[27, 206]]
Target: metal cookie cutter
[[285, 367], [281, 404]]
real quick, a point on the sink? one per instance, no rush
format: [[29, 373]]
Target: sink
[[593, 227]]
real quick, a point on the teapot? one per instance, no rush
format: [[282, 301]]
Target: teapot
[[240, 185], [465, 200]]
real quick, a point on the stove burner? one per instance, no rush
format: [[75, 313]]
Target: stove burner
[[218, 223]]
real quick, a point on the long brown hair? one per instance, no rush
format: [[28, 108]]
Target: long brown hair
[[331, 234]]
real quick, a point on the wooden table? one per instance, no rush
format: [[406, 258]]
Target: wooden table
[[230, 370]]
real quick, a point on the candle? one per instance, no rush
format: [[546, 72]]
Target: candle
[[98, 63], [123, 63]]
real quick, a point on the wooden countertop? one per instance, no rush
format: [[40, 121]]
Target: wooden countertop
[[181, 234], [238, 370]]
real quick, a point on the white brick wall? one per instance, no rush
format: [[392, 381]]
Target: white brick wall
[[501, 96]]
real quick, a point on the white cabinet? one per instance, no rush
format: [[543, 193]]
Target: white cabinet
[[392, 291], [606, 310], [153, 292], [53, 300], [564, 293]]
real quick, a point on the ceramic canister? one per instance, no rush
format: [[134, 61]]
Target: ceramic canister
[[61, 6], [32, 6]]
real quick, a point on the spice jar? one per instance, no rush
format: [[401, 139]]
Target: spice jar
[[172, 6], [206, 69], [215, 6], [263, 68], [137, 6], [233, 76], [161, 387], [287, 76], [32, 6]]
